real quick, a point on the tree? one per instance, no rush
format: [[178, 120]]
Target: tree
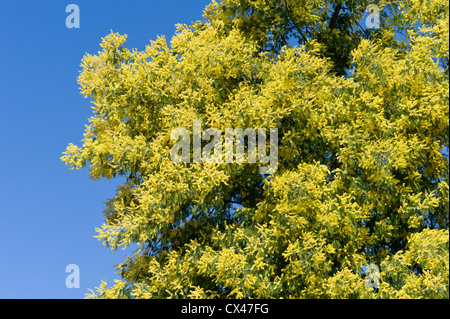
[[362, 174]]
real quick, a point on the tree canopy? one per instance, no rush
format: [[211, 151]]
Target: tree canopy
[[363, 136]]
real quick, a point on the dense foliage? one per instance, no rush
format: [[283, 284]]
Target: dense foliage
[[362, 176]]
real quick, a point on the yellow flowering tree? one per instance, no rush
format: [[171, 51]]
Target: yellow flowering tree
[[362, 171]]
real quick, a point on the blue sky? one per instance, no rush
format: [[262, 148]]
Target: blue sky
[[48, 213]]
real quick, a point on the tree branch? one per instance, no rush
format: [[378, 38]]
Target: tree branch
[[334, 16], [293, 21]]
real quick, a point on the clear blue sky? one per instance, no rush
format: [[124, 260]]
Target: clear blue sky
[[48, 213]]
